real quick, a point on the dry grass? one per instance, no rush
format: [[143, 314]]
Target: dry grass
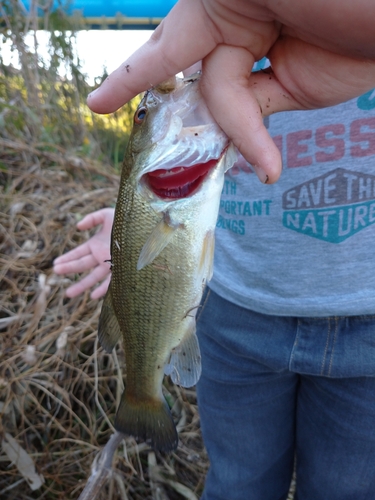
[[58, 389]]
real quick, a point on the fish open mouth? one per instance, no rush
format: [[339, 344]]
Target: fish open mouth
[[178, 182]]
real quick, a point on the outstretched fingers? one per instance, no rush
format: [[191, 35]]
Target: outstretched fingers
[[74, 264], [95, 218], [101, 290], [97, 275], [61, 264]]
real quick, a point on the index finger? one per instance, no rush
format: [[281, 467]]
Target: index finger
[[183, 38]]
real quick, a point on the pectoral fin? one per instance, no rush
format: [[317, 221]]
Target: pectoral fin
[[109, 332], [157, 241], [184, 365]]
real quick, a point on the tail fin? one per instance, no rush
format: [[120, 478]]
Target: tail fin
[[149, 420]]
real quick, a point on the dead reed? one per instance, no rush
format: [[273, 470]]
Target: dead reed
[[58, 389]]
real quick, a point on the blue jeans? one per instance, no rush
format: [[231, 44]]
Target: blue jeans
[[277, 388]]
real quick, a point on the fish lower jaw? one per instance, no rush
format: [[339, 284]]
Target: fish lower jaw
[[179, 182], [180, 191]]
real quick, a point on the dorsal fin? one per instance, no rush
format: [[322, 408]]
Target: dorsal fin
[[109, 332]]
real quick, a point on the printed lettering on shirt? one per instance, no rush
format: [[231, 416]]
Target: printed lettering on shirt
[[331, 207], [367, 101], [233, 213], [328, 143], [234, 225]]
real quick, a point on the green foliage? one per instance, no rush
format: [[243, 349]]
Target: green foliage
[[44, 101]]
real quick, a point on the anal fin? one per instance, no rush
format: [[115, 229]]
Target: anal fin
[[109, 332], [184, 365]]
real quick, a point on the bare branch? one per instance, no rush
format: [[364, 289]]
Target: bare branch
[[101, 468]]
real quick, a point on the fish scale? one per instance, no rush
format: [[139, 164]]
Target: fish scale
[[161, 254]]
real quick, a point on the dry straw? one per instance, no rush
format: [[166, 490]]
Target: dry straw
[[58, 390]]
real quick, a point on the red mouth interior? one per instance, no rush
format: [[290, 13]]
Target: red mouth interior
[[179, 182]]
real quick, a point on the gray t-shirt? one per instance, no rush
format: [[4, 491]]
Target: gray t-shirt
[[304, 246]]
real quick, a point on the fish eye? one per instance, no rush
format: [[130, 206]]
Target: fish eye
[[140, 115]]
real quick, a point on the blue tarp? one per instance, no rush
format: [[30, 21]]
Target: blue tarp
[[116, 14]]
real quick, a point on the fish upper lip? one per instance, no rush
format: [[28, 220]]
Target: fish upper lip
[[179, 176]]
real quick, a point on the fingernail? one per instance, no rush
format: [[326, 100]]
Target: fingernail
[[92, 93], [262, 176]]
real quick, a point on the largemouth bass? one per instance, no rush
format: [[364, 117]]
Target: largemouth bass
[[162, 251]]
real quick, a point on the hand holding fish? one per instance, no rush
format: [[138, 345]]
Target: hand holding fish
[[319, 57], [92, 255]]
